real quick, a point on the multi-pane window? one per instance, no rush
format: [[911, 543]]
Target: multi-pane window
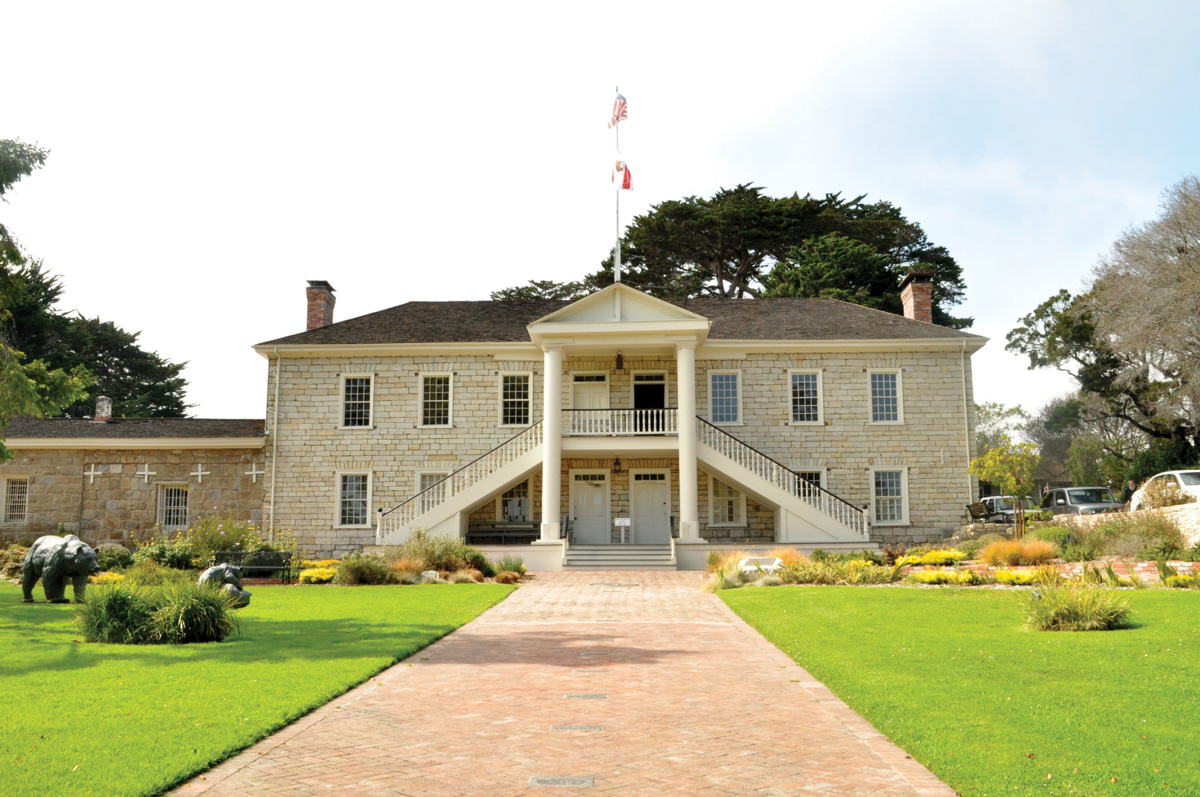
[[728, 505], [16, 500], [888, 488], [812, 477], [352, 499], [172, 506], [724, 400], [806, 398], [432, 487], [435, 400], [514, 504], [514, 399], [885, 398], [356, 401]]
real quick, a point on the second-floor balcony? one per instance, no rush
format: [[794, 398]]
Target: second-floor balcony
[[620, 423]]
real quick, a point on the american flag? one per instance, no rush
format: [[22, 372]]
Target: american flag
[[620, 111]]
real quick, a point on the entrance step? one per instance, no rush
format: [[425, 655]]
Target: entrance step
[[619, 557]]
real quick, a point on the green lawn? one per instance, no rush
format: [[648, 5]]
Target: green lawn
[[82, 719], [950, 676]]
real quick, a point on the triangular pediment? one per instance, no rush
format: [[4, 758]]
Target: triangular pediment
[[618, 303]]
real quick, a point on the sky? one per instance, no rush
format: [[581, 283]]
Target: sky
[[207, 160]]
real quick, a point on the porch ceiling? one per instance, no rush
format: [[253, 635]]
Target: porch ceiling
[[657, 447]]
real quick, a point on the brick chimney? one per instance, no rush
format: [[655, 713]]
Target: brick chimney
[[103, 410], [320, 303], [916, 292]]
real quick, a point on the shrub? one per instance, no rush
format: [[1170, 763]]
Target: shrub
[[1075, 543], [462, 577], [149, 574], [1074, 608], [507, 577], [111, 556], [194, 613], [12, 559], [362, 568], [955, 577], [511, 564], [1015, 579], [821, 555], [408, 565], [1162, 492], [476, 560], [322, 563], [106, 577], [767, 581], [164, 551], [476, 575], [117, 614], [935, 558], [434, 551], [857, 571], [1141, 535], [317, 575], [1182, 582], [1024, 551], [971, 548], [212, 533], [894, 552], [788, 556]]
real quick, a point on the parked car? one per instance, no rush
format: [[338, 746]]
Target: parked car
[[1000, 508], [1186, 480], [1081, 501]]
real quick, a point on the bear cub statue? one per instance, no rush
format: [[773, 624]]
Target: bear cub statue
[[54, 560]]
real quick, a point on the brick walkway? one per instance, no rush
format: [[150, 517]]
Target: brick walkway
[[695, 702]]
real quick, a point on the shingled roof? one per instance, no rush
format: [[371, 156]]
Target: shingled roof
[[134, 428], [732, 319]]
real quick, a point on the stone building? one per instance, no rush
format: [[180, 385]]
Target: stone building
[[111, 479], [620, 429]]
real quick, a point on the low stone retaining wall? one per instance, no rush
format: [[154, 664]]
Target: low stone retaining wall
[[1186, 516]]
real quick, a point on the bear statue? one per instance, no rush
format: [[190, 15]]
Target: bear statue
[[229, 578], [54, 560]]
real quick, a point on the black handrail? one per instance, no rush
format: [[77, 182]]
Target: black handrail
[[450, 475], [780, 464]]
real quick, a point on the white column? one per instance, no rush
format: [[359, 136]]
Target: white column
[[552, 445], [685, 374]]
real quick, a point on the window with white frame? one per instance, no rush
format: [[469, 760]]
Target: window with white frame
[[885, 397], [432, 487], [354, 498], [435, 400], [816, 477], [356, 401], [724, 397], [16, 499], [172, 506], [514, 399], [806, 396], [888, 493], [514, 505], [727, 506]]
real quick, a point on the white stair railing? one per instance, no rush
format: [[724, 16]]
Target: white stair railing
[[621, 423], [403, 515], [783, 477]]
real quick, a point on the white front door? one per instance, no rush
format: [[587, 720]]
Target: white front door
[[589, 392], [590, 507], [650, 506]]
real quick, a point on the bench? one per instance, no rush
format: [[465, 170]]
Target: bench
[[978, 512], [503, 532], [266, 562]]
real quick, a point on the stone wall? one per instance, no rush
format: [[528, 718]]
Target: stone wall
[[1186, 516], [116, 504], [934, 443]]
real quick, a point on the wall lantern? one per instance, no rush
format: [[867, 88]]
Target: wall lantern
[[620, 361], [617, 465]]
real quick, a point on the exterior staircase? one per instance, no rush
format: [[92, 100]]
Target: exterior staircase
[[619, 557]]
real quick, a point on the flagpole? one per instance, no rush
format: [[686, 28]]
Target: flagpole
[[617, 247]]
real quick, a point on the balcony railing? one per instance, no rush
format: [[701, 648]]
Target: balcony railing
[[620, 423]]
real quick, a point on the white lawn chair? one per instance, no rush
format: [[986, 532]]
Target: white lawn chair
[[756, 565]]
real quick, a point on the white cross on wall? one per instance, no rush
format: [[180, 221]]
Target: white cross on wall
[[145, 472], [91, 473], [200, 473], [254, 473]]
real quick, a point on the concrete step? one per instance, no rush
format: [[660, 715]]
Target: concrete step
[[619, 557]]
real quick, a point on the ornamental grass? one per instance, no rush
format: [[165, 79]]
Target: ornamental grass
[[1013, 553], [968, 578], [1074, 608], [788, 556], [122, 614]]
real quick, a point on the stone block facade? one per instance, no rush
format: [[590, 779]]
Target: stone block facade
[[99, 495]]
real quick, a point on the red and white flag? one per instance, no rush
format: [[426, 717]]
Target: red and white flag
[[620, 111], [621, 177]]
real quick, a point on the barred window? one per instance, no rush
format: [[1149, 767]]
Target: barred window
[[885, 398], [356, 401], [806, 399], [432, 487], [435, 400], [16, 500], [728, 505], [723, 398], [514, 504], [514, 399], [812, 476], [889, 496], [352, 499], [172, 506]]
